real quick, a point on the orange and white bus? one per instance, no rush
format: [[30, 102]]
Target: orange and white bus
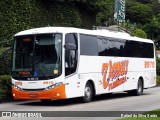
[[61, 62]]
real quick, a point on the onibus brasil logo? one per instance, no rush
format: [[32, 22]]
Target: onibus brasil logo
[[114, 74]]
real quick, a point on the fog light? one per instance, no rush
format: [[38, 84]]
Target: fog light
[[58, 94], [14, 95]]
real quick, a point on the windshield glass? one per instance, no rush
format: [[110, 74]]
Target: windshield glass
[[37, 56]]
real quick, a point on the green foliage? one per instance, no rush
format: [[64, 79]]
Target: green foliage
[[94, 5], [146, 13], [146, 1], [18, 15], [158, 80], [153, 28], [156, 8], [5, 88], [5, 65], [139, 13], [139, 33], [142, 13], [106, 12], [158, 67]]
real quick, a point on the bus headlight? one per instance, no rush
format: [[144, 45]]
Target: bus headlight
[[16, 87], [54, 86]]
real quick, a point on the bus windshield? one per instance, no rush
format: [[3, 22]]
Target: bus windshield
[[37, 56]]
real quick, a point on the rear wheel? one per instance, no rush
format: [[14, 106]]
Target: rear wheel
[[88, 92], [139, 89]]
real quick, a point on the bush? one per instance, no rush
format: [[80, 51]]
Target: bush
[[158, 71], [158, 67], [5, 66], [139, 33], [5, 88], [158, 80]]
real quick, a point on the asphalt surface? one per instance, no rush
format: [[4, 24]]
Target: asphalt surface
[[107, 106]]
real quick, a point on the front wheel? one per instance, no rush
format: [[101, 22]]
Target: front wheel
[[45, 101], [88, 93]]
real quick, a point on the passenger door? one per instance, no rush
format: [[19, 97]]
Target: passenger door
[[71, 60]]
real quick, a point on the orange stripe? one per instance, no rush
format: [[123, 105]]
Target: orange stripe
[[48, 94]]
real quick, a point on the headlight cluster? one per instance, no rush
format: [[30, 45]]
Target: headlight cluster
[[54, 86], [16, 87]]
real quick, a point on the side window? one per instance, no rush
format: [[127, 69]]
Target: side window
[[88, 45], [111, 46], [139, 49], [104, 46], [150, 48], [71, 53]]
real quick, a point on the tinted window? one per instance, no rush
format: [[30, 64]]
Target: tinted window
[[114, 47], [139, 49], [124, 48], [110, 47], [104, 46], [88, 45], [148, 50]]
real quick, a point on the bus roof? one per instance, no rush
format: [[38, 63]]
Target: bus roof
[[106, 33]]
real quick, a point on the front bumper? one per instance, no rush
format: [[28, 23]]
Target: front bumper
[[55, 93]]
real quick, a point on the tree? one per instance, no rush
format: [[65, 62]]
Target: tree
[[106, 12], [138, 13], [152, 28], [139, 33], [146, 1], [156, 8]]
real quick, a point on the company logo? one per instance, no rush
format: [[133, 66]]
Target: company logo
[[6, 114], [114, 74]]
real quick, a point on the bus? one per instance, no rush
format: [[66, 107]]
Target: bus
[[51, 63]]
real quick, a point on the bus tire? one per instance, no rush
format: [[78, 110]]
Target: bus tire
[[88, 92], [139, 90], [45, 101]]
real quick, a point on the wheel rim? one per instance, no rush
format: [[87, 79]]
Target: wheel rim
[[87, 92]]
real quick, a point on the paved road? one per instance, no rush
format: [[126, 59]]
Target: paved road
[[150, 100]]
